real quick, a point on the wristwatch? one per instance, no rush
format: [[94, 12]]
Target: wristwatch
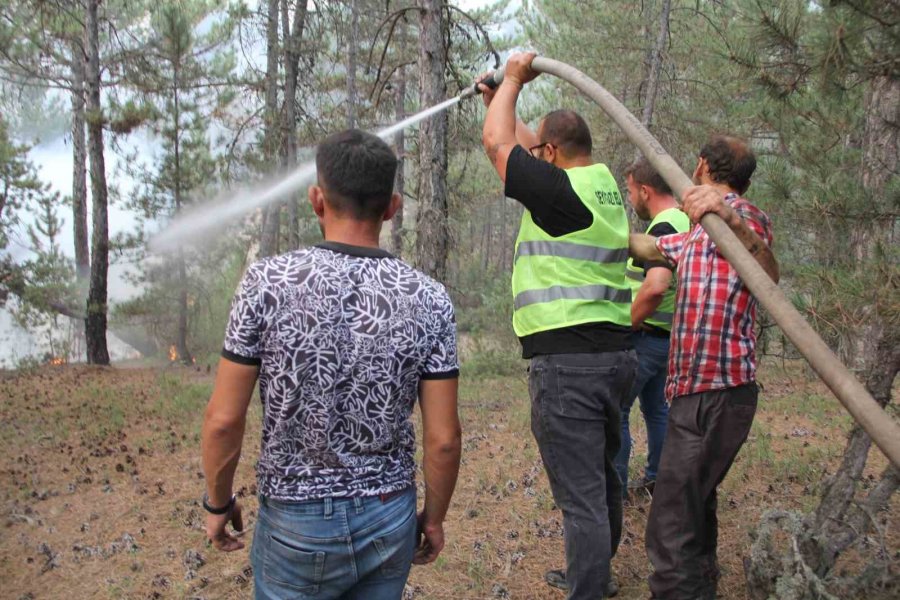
[[218, 510]]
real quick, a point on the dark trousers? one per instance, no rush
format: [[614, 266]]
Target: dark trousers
[[575, 418], [704, 434]]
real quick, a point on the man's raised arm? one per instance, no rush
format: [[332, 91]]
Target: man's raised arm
[[499, 132]]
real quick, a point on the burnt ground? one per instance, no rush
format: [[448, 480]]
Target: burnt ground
[[100, 479]]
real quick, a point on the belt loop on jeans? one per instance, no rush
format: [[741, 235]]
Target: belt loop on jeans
[[358, 504], [329, 508]]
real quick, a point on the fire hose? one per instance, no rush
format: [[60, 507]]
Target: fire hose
[[883, 429]]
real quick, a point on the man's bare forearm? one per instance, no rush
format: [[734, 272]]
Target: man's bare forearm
[[223, 427], [644, 306], [221, 445], [754, 244], [643, 247], [441, 468], [499, 132]]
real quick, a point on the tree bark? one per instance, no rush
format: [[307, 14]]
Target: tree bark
[[352, 59], [268, 244], [400, 145], [182, 332], [293, 37], [432, 240], [656, 64], [79, 170], [96, 321]]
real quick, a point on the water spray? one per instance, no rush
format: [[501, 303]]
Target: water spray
[[195, 223]]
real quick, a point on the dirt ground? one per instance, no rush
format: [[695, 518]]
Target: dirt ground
[[100, 483]]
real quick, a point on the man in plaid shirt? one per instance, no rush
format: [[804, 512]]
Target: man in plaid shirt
[[712, 370]]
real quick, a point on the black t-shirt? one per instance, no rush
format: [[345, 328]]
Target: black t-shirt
[[658, 230], [544, 189]]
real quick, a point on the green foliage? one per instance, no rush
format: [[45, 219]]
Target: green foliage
[[818, 73]]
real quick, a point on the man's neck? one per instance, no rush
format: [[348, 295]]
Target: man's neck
[[722, 187], [353, 233], [657, 204], [571, 163]]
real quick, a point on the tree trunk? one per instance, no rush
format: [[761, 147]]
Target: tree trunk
[[400, 146], [268, 244], [656, 64], [433, 234], [95, 323], [293, 37], [871, 238], [353, 51], [182, 332], [79, 171]]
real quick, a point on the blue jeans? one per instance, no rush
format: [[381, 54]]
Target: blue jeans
[[650, 387], [575, 400], [350, 548]]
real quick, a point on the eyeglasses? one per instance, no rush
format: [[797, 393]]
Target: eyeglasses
[[539, 148]]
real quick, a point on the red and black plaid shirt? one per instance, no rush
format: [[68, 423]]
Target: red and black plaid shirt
[[713, 339]]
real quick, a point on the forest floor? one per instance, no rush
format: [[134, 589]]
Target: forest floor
[[100, 482]]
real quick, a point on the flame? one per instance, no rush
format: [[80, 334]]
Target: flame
[[173, 353], [57, 360]]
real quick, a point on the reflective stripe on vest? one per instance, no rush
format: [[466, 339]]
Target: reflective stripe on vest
[[585, 292], [570, 250], [578, 277]]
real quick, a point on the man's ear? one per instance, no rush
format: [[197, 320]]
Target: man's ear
[[394, 205], [551, 153], [645, 192], [317, 200], [701, 170]]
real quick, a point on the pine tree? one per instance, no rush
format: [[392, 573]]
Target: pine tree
[[177, 76], [828, 81]]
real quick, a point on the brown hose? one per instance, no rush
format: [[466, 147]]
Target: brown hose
[[883, 430]]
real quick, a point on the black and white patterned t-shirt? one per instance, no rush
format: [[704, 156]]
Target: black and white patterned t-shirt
[[342, 335]]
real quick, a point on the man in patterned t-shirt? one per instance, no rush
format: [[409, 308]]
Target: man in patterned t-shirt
[[712, 370], [343, 338]]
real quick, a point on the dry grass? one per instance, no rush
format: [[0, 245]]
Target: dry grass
[[100, 480]]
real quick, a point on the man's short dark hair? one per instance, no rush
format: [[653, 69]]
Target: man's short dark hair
[[566, 130], [643, 173], [356, 170], [730, 160]]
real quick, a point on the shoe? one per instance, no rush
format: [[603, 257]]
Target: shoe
[[642, 484], [557, 578]]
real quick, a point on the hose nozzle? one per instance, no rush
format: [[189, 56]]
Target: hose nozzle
[[493, 80]]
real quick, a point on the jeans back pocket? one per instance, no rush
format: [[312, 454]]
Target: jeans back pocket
[[295, 571]]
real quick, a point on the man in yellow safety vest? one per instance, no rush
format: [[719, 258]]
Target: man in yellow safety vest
[[652, 310], [572, 316]]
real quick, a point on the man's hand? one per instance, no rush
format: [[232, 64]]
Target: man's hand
[[518, 68], [431, 541], [216, 529], [701, 199], [487, 94]]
